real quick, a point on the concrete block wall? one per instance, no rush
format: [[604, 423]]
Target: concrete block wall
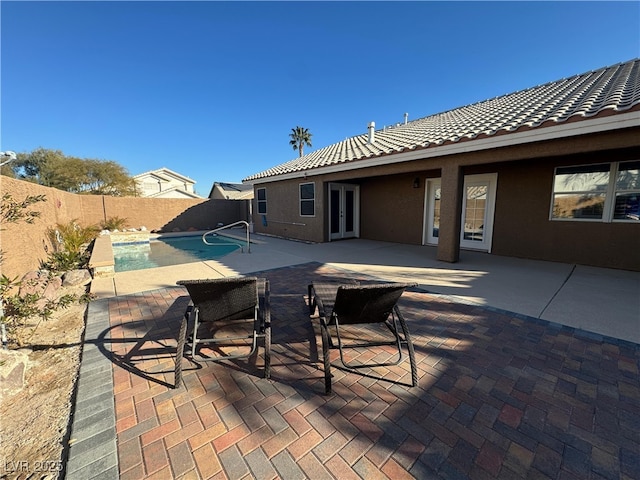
[[25, 246]]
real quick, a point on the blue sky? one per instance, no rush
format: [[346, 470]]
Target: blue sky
[[212, 90]]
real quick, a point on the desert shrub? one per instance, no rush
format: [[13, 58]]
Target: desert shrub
[[71, 237], [72, 252], [64, 261], [114, 223], [12, 211], [18, 309], [71, 246]]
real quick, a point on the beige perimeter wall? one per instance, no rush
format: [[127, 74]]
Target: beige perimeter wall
[[25, 246]]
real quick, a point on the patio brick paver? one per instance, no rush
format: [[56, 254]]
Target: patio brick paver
[[499, 396]]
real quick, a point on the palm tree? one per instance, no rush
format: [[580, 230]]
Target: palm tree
[[299, 138]]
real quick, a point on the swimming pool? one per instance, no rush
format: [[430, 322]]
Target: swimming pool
[[166, 251]]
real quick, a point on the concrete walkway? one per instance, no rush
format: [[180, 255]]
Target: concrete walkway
[[599, 300]]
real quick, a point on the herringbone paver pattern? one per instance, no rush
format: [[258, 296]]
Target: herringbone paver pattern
[[499, 396]]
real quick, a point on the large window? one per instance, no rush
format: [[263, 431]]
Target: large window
[[307, 199], [601, 192], [261, 196], [627, 192]]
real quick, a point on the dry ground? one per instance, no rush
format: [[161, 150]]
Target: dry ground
[[34, 419]]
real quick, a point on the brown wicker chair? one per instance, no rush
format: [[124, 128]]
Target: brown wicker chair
[[226, 302], [361, 305]]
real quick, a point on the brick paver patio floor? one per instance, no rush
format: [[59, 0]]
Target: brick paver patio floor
[[500, 396]]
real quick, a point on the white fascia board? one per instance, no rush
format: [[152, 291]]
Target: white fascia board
[[176, 175], [604, 124]]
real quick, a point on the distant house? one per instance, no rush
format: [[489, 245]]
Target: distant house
[[231, 191], [551, 173], [165, 183]]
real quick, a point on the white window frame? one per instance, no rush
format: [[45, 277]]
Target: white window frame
[[300, 199], [608, 208], [261, 202], [615, 192], [433, 185]]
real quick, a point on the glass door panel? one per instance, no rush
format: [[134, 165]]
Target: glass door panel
[[478, 206], [343, 211], [334, 214], [349, 211], [433, 211], [474, 213]]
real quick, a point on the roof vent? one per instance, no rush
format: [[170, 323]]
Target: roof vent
[[371, 127], [406, 118]]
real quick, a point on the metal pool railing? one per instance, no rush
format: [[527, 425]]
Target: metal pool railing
[[241, 222]]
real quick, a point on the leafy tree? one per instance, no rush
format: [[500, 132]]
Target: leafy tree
[[35, 166], [108, 178], [52, 168], [299, 138]]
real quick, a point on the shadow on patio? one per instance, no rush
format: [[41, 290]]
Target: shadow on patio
[[499, 395]]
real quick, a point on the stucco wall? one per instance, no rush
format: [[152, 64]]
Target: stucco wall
[[392, 210], [25, 246], [283, 217], [523, 229]]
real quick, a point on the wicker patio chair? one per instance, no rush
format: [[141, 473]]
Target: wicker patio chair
[[225, 302], [364, 306]]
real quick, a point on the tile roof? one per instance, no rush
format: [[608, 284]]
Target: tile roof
[[604, 91], [233, 191]]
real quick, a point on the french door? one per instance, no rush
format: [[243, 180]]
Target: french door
[[344, 219], [478, 206]]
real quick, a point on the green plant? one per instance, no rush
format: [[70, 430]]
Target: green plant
[[114, 223], [64, 261], [13, 212], [71, 246], [19, 308], [71, 237], [71, 242]]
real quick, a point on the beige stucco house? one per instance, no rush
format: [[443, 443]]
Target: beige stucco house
[[551, 172], [165, 183]]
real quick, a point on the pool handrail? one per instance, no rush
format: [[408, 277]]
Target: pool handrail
[[240, 222]]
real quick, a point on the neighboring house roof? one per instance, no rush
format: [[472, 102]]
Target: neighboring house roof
[[166, 175], [170, 184], [595, 94], [232, 191], [173, 192]]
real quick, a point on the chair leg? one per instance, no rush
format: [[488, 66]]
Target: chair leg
[[311, 300], [194, 334], [265, 316], [412, 355], [325, 355], [180, 352], [267, 351]]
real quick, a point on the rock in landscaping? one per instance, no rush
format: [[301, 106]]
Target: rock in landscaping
[[76, 277], [13, 364], [34, 282]]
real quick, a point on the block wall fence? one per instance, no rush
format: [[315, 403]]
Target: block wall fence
[[25, 246]]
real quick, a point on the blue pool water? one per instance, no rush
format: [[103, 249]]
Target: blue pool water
[[168, 251]]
